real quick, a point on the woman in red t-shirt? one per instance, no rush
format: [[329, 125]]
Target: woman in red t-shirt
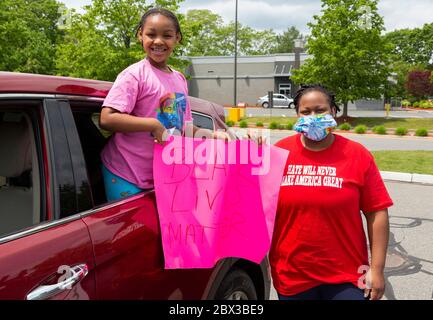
[[319, 248]]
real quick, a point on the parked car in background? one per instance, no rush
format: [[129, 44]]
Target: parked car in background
[[59, 236], [280, 100]]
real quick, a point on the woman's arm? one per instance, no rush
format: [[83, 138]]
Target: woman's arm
[[378, 234], [115, 121]]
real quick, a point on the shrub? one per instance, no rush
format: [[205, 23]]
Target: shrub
[[361, 129], [282, 126], [230, 123], [415, 104], [289, 126], [421, 132], [273, 125], [405, 103], [379, 130], [259, 124], [243, 124], [345, 126], [401, 131], [425, 104]]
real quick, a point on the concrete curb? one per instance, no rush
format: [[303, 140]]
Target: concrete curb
[[407, 177]]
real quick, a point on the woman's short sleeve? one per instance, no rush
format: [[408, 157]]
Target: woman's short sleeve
[[374, 196]]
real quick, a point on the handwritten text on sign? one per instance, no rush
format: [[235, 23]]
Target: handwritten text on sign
[[221, 207]]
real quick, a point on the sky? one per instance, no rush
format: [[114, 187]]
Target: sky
[[282, 14]]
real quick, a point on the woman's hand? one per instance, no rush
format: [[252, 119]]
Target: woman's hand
[[375, 284], [378, 234], [159, 132]]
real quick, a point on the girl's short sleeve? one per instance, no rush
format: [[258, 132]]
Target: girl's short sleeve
[[123, 94], [374, 196]]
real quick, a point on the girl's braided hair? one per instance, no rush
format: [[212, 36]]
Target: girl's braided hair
[[165, 13], [304, 89]]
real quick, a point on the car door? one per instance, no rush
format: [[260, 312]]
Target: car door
[[284, 102], [129, 260], [278, 102], [45, 247]]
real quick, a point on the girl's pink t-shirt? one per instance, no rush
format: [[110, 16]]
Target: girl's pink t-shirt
[[144, 91]]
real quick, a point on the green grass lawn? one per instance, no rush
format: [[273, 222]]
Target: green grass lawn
[[408, 123], [405, 161]]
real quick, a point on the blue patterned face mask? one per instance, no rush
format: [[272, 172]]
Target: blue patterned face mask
[[316, 127]]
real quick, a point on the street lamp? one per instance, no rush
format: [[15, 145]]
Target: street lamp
[[298, 48], [236, 57], [299, 43]]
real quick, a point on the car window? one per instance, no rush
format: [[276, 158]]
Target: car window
[[95, 119], [20, 192], [202, 121], [93, 140]]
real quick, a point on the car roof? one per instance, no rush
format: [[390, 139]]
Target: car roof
[[13, 82]]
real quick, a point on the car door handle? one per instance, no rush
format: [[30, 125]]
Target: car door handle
[[76, 274]]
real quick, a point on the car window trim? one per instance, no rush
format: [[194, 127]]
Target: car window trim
[[59, 161], [82, 185]]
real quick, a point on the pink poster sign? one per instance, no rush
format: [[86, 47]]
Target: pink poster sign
[[216, 199]]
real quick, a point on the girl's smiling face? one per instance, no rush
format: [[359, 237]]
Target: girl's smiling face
[[159, 38]]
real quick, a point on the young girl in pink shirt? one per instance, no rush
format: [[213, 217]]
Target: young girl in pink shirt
[[146, 99]]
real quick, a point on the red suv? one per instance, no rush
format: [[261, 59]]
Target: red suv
[[59, 237]]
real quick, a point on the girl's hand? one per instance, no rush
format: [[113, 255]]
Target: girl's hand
[[375, 284], [251, 135], [221, 135], [159, 133]]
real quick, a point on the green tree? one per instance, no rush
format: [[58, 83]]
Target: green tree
[[285, 41], [100, 43], [209, 36], [412, 46], [28, 35], [201, 29], [396, 87], [263, 42], [412, 50], [399, 74], [250, 41], [349, 55]]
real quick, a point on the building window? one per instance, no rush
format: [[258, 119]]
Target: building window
[[286, 89]]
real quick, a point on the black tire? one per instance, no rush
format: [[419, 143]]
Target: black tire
[[291, 105], [237, 285], [265, 105]]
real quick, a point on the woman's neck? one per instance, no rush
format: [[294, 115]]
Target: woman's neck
[[318, 145]]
